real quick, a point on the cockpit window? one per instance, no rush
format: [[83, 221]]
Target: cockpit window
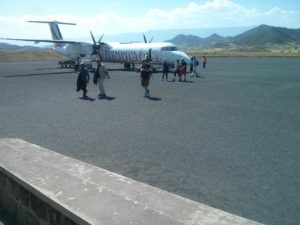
[[169, 48]]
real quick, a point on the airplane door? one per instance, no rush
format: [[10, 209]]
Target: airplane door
[[157, 55]]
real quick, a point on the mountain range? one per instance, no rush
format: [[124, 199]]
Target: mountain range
[[162, 35], [8, 46], [258, 37]]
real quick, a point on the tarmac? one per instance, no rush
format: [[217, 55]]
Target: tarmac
[[229, 139]]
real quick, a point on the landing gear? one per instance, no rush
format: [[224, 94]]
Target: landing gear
[[127, 66], [76, 67], [66, 63]]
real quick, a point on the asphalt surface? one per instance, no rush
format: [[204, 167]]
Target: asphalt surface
[[229, 139]]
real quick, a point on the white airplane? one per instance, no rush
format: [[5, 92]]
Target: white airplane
[[128, 53]]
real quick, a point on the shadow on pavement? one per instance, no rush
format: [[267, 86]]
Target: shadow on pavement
[[87, 98], [108, 98], [154, 99]]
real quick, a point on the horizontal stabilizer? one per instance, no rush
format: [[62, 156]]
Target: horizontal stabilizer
[[53, 25], [57, 22]]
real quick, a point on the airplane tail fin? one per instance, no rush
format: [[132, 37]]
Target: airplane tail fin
[[54, 29]]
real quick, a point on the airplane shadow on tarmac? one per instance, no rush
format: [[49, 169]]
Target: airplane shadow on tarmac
[[36, 74], [53, 68]]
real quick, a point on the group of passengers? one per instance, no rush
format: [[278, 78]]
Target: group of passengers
[[101, 73], [180, 68]]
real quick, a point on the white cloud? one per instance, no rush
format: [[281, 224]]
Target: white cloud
[[217, 13], [213, 13]]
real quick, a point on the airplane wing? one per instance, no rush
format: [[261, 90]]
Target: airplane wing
[[36, 41], [104, 45]]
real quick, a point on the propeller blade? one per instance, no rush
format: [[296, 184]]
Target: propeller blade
[[96, 48], [93, 37], [100, 38], [145, 39], [151, 40]]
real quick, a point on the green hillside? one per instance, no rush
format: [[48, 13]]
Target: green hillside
[[264, 34]]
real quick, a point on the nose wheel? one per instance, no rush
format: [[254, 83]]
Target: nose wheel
[[129, 66]]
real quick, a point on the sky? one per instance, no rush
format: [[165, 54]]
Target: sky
[[119, 16]]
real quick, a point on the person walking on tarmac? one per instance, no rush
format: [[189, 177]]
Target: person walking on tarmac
[[100, 75], [182, 70], [165, 70], [195, 63], [82, 79], [176, 69], [203, 59], [191, 65], [145, 77]]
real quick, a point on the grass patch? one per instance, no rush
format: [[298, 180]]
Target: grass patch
[[268, 50], [242, 53], [28, 55]]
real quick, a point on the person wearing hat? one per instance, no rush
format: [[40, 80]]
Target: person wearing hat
[[101, 74], [145, 77], [82, 79]]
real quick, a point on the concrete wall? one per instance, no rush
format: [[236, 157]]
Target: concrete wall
[[39, 186], [25, 207]]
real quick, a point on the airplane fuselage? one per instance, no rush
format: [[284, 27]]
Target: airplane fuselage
[[127, 52]]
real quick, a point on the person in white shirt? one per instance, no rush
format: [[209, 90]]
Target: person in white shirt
[[101, 74]]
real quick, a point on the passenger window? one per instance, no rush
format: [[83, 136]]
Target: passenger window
[[169, 49]]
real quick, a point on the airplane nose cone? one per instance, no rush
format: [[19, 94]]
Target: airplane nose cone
[[185, 57], [179, 55]]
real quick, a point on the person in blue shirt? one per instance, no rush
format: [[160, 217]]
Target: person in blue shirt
[[83, 79], [195, 63]]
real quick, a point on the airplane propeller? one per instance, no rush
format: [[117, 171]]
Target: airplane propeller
[[97, 45]]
